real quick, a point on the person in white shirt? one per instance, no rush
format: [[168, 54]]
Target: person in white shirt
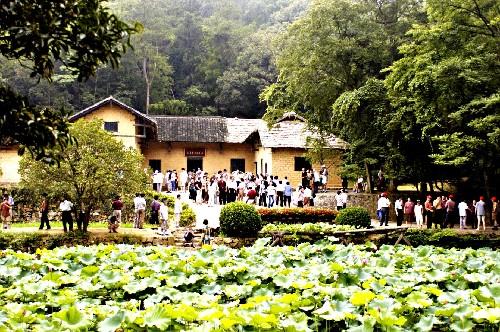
[[164, 217], [383, 206], [140, 210], [212, 193], [271, 192], [338, 200], [398, 205], [177, 210], [183, 179], [462, 212], [343, 198], [307, 196], [419, 214], [67, 218], [157, 180]]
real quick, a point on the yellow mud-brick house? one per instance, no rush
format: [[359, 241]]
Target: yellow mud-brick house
[[210, 143]]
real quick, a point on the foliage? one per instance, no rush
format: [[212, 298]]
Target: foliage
[[304, 288], [80, 34], [451, 238], [90, 172], [335, 48], [307, 228], [355, 216], [448, 81], [214, 56], [296, 215], [188, 217], [31, 242], [239, 219]]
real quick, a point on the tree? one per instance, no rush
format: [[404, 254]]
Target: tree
[[82, 34], [90, 172], [335, 47], [449, 81]]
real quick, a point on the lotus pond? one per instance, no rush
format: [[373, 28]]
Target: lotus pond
[[322, 287]]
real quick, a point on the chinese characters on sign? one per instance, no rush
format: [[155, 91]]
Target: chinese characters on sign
[[194, 152]]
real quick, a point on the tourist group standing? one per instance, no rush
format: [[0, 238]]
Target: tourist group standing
[[440, 212]]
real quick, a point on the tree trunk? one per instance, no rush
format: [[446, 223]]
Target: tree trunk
[[145, 73], [369, 184], [486, 178]]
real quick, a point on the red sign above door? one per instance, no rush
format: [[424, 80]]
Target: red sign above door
[[194, 152]]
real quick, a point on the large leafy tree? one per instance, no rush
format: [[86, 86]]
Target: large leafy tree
[[81, 34], [448, 82], [90, 172], [334, 48]]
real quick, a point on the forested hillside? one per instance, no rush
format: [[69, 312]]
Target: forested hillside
[[193, 57]]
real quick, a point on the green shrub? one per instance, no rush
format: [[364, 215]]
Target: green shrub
[[240, 220], [297, 215], [188, 217], [354, 216]]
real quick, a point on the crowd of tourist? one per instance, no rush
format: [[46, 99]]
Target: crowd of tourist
[[440, 212], [225, 187]]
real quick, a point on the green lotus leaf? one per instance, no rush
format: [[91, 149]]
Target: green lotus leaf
[[72, 318], [89, 271], [136, 286], [367, 325], [297, 322], [158, 317], [10, 271], [112, 323], [492, 315], [462, 325], [361, 298], [426, 323], [237, 291], [110, 277], [284, 281], [87, 259], [418, 300], [335, 310]]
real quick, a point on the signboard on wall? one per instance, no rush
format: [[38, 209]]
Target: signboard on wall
[[194, 152]]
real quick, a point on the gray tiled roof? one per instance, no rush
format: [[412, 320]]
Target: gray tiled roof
[[191, 129], [289, 132]]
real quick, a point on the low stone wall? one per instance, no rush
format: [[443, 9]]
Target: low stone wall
[[366, 200]]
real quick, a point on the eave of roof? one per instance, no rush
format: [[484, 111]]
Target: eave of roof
[[111, 100]]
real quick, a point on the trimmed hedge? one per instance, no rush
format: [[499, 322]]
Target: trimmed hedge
[[297, 215], [354, 216], [188, 217], [240, 219], [449, 238], [29, 242]]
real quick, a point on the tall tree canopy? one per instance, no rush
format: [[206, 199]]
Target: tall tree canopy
[[448, 83], [77, 34]]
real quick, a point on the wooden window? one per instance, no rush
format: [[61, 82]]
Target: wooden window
[[111, 126], [301, 162], [238, 164]]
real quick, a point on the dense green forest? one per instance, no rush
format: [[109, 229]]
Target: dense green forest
[[192, 57]]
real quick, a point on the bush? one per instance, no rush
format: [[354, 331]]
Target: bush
[[188, 217], [297, 215], [354, 216], [239, 219]]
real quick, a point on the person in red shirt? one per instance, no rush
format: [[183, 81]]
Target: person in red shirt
[[117, 206], [409, 211], [251, 194]]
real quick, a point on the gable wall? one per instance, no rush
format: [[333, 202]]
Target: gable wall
[[125, 119]]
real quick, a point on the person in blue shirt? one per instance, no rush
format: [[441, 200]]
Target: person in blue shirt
[[287, 193]]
